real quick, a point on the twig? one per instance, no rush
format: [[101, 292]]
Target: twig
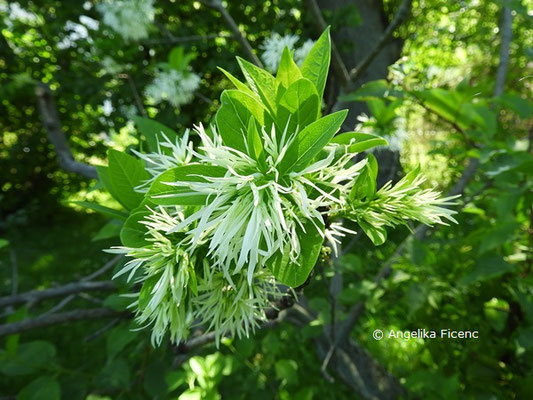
[[43, 321], [218, 6], [338, 65], [39, 295], [52, 124], [136, 96], [102, 330], [14, 272], [63, 303], [401, 14], [192, 38]]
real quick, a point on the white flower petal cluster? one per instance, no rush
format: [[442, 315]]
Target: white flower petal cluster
[[255, 212], [173, 86], [273, 49], [166, 268], [301, 53], [129, 18], [169, 154]]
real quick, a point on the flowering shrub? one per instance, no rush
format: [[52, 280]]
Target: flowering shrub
[[213, 230]]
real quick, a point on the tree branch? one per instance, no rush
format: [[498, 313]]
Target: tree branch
[[218, 6], [36, 296], [43, 321], [52, 124], [338, 65], [401, 14], [507, 35]]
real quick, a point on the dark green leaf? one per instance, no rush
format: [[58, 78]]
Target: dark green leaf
[[133, 232], [43, 388], [310, 141], [125, 173], [233, 116], [153, 131], [292, 274]]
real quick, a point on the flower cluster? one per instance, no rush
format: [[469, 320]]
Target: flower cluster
[[273, 48], [176, 87], [129, 18], [218, 230]]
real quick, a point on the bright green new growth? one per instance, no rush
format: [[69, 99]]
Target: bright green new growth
[[214, 230]]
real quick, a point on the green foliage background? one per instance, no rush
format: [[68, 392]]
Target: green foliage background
[[475, 275]]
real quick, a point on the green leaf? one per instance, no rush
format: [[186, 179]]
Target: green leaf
[[109, 230], [489, 266], [43, 388], [364, 188], [162, 193], [287, 371], [311, 241], [4, 243], [237, 83], [522, 107], [133, 232], [233, 116], [153, 131], [263, 84], [288, 71], [29, 358], [117, 302], [125, 173], [118, 339], [117, 373], [361, 141], [316, 65], [310, 141], [110, 212], [377, 234], [300, 103], [372, 90], [255, 144], [104, 178]]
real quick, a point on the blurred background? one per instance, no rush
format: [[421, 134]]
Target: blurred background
[[447, 83]]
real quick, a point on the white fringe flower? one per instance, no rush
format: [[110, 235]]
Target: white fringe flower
[[129, 18], [273, 48], [173, 86], [255, 212], [301, 53]]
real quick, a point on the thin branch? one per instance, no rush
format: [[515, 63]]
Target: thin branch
[[507, 35], [102, 330], [192, 38], [40, 295], [14, 272], [401, 15], [52, 124], [136, 96], [338, 65], [43, 321], [218, 6], [107, 266]]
